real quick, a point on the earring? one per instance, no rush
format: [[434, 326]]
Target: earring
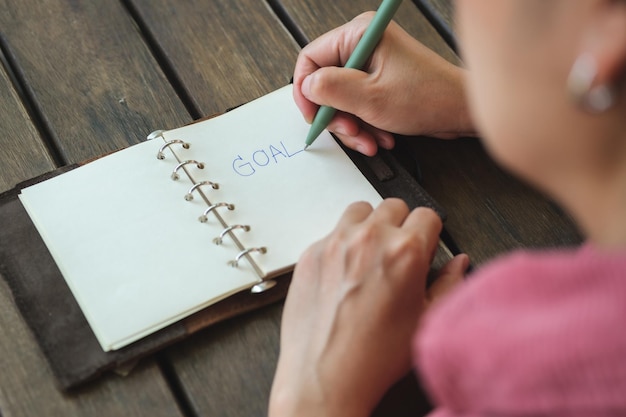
[[580, 87]]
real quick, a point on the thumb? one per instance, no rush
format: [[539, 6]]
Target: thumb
[[344, 89], [449, 277]]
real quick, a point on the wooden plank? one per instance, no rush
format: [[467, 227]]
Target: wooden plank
[[96, 87], [27, 386], [225, 52], [444, 8], [489, 212], [316, 18], [441, 15], [89, 74], [23, 154], [227, 370]]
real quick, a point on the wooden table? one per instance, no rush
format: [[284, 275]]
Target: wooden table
[[83, 78]]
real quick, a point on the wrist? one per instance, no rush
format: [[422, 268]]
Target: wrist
[[462, 123], [291, 402]]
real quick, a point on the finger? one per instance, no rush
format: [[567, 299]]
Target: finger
[[345, 124], [346, 127], [424, 218], [360, 136], [345, 89], [306, 107], [426, 225], [363, 143], [448, 277], [351, 126], [331, 49], [355, 213], [383, 138], [391, 211]]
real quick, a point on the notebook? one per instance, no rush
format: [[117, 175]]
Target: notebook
[[155, 232]]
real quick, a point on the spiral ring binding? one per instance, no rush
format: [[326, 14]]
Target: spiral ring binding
[[161, 155], [218, 240], [204, 218], [235, 262], [257, 288], [263, 286], [189, 195], [175, 175], [155, 134]]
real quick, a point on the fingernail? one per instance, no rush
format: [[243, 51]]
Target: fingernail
[[386, 143], [465, 261], [340, 130], [390, 141], [306, 86], [362, 149]]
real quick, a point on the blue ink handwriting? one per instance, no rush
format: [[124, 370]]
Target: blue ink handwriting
[[262, 158]]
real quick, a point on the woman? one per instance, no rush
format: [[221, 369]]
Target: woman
[[533, 333]]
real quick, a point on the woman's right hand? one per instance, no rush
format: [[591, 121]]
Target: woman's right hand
[[405, 88], [353, 306]]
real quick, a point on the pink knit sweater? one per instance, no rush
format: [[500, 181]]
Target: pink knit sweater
[[531, 334]]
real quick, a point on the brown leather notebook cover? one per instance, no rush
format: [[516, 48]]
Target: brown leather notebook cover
[[48, 306]]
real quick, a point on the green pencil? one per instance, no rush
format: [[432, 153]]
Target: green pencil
[[359, 56]]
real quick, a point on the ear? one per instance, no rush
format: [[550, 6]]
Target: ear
[[605, 39]]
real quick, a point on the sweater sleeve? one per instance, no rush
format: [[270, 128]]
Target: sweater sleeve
[[530, 334]]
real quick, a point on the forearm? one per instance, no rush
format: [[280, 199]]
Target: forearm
[[439, 103]]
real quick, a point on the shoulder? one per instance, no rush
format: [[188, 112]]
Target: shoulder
[[529, 324]]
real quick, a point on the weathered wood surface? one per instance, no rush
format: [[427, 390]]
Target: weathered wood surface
[[316, 18], [91, 77], [97, 76], [27, 388], [23, 155], [93, 86], [441, 14], [224, 52], [490, 213]]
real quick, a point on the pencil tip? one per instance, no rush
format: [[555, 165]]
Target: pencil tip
[[306, 146]]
